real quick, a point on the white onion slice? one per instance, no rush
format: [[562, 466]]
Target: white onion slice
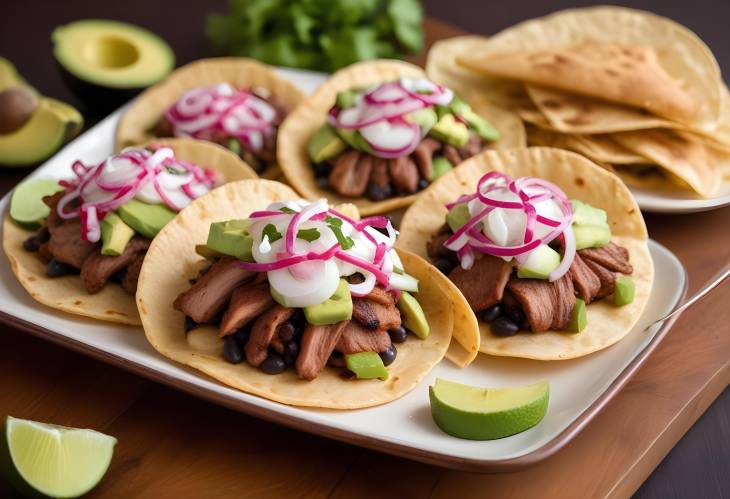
[[304, 293]]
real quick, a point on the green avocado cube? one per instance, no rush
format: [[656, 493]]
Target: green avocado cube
[[412, 315], [146, 219], [207, 253], [366, 365], [591, 236], [480, 125], [578, 319], [426, 118], [451, 131], [231, 238], [623, 293], [115, 235], [234, 145], [335, 309], [585, 214], [346, 98], [539, 263], [354, 140], [325, 144], [457, 216], [439, 166]]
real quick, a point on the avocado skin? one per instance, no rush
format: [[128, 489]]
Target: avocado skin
[[97, 101]]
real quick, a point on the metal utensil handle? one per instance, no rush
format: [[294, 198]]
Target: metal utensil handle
[[718, 279]]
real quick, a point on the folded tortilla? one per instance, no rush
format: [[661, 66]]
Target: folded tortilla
[[112, 303], [171, 261], [580, 179]]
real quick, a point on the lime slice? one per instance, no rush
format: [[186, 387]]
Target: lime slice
[[487, 413], [53, 460], [27, 208]]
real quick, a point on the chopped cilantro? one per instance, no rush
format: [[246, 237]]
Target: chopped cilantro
[[271, 231], [335, 224], [308, 234], [286, 209]]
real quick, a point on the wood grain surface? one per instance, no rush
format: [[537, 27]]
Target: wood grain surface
[[173, 445]]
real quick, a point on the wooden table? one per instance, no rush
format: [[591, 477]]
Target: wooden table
[[173, 445]]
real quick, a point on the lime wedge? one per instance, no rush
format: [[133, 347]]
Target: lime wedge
[[53, 460], [487, 413], [27, 208]]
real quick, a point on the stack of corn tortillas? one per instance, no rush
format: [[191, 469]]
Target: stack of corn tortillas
[[635, 92]]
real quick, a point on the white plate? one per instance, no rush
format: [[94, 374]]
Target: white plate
[[579, 388], [680, 201]]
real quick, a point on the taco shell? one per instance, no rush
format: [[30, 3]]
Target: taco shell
[[137, 121], [171, 261], [112, 303], [579, 179], [306, 119]]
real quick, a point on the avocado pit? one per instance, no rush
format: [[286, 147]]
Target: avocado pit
[[18, 105]]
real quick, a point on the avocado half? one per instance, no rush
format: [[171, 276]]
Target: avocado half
[[48, 126], [106, 63]]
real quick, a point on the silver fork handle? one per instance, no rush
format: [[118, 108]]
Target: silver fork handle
[[713, 283]]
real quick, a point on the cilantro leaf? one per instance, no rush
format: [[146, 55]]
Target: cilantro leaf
[[271, 231], [308, 235], [335, 224]]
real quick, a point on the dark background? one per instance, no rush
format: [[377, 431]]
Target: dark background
[[700, 463]]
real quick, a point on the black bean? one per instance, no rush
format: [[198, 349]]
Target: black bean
[[422, 184], [336, 360], [190, 324], [273, 364], [291, 349], [502, 326], [58, 269], [322, 182], [491, 313], [286, 332], [389, 355], [322, 169], [515, 314], [232, 350], [398, 334], [242, 335], [32, 244], [376, 193], [44, 235], [445, 265]]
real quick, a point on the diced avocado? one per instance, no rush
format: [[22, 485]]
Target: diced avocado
[[234, 145], [27, 208], [336, 308], [451, 131], [585, 214], [591, 236], [325, 144], [458, 216], [623, 293], [412, 315], [439, 166], [578, 318], [115, 235], [231, 238], [346, 98], [480, 125], [278, 297], [146, 219], [366, 365], [540, 262], [426, 118], [207, 253], [354, 139]]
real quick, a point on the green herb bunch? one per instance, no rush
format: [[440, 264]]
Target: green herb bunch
[[317, 34]]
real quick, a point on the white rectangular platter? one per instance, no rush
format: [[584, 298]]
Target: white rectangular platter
[[579, 388]]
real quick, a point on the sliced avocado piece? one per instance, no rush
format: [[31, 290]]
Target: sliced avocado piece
[[346, 98], [146, 219], [207, 253], [336, 308], [231, 238], [457, 216], [366, 365], [325, 144], [426, 118], [578, 319], [115, 235], [354, 139], [27, 208], [412, 315], [591, 236], [480, 125], [439, 166], [106, 62], [540, 262], [234, 145], [585, 214], [451, 131], [42, 135], [623, 293]]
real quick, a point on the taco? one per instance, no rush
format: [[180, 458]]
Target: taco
[[549, 250], [376, 133], [83, 250], [235, 102], [295, 301]]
